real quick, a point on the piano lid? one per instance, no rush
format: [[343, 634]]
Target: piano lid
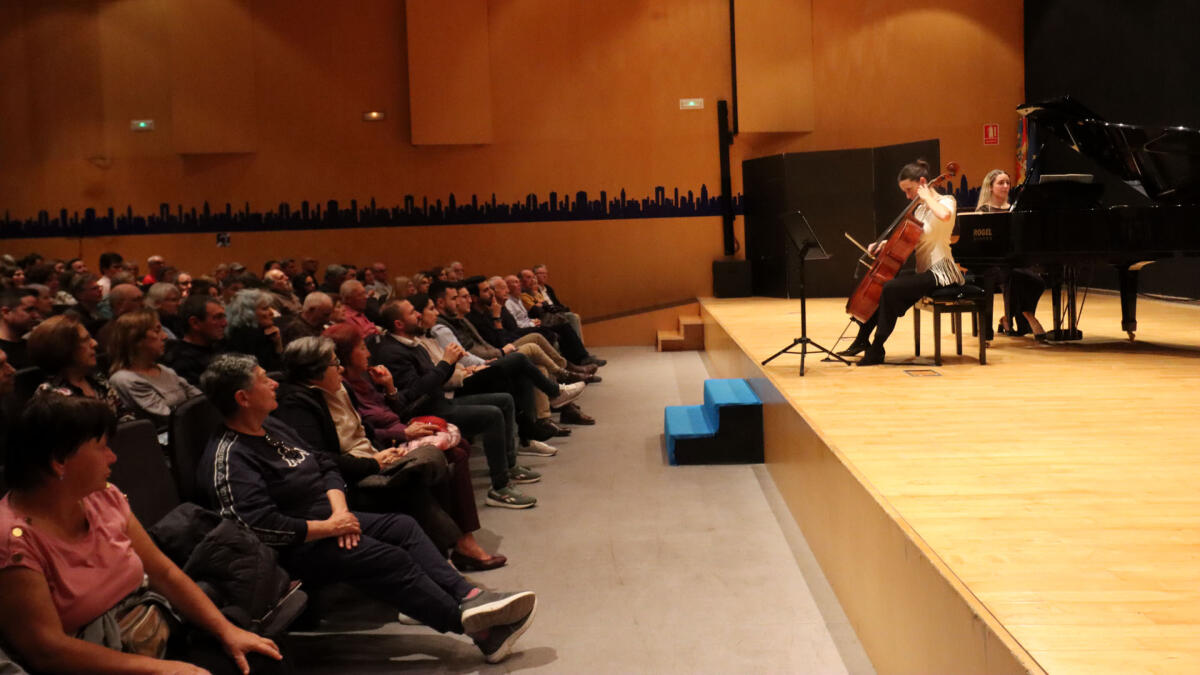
[[1163, 163]]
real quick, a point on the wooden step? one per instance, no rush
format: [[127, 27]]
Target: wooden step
[[692, 328], [670, 341]]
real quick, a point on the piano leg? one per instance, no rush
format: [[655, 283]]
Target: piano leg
[[1068, 276], [1128, 279]]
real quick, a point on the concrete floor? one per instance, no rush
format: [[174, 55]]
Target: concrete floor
[[639, 567]]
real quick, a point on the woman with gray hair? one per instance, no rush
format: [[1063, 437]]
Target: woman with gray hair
[[318, 405], [251, 328], [164, 298], [259, 471]]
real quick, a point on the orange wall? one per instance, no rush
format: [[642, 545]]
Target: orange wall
[[584, 96]]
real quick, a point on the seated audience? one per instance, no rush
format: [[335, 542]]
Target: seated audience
[[513, 373], [315, 314], [448, 301], [287, 303], [383, 292], [164, 299], [145, 388], [18, 316], [419, 383], [183, 281], [259, 471], [323, 410], [252, 328], [66, 353], [155, 266], [498, 326], [542, 276], [402, 287], [85, 288], [73, 557], [457, 273], [204, 318], [355, 303], [335, 276], [111, 266], [303, 284], [421, 281]]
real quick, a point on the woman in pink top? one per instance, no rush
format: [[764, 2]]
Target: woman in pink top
[[70, 550]]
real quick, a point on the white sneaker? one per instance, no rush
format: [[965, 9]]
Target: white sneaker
[[567, 393], [538, 449]]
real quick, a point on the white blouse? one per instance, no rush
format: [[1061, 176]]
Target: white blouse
[[933, 249]]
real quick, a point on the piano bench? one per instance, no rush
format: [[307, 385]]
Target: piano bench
[[955, 301]]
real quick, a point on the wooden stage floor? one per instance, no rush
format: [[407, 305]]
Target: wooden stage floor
[[1056, 489]]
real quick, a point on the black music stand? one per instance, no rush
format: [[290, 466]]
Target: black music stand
[[805, 241]]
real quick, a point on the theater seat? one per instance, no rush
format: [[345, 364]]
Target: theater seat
[[192, 424], [141, 471]]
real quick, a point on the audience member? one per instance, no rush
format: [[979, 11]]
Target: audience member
[[498, 326], [303, 284], [85, 288], [145, 388], [259, 471], [155, 266], [382, 291], [542, 273], [72, 553], [355, 303], [184, 282], [402, 288], [204, 318], [164, 299], [18, 316], [315, 314], [335, 276], [456, 271], [287, 303], [322, 409], [66, 353], [111, 266], [419, 384], [252, 330]]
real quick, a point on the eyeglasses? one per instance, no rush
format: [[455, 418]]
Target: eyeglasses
[[334, 363]]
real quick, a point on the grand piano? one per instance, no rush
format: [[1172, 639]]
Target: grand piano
[[1096, 193]]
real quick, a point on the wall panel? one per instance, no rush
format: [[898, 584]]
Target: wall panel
[[449, 74], [774, 66]]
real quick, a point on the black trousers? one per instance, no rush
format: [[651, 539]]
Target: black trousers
[[898, 296], [514, 374], [1025, 288], [395, 562], [492, 416]]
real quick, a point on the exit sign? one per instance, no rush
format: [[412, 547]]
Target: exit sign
[[991, 134]]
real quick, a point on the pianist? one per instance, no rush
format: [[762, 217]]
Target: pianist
[[1022, 287]]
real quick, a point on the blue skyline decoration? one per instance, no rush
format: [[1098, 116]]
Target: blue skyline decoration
[[334, 214]]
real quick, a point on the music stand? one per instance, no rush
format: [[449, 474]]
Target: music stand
[[806, 242]]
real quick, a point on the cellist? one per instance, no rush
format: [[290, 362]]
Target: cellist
[[935, 264]]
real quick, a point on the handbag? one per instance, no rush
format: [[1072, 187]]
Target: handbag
[[145, 629]]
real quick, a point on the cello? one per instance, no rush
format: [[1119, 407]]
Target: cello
[[901, 239]]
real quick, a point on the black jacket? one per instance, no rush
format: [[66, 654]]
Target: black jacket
[[418, 379], [273, 484], [188, 360], [251, 340], [304, 409]]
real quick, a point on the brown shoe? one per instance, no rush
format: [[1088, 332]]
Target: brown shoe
[[569, 377], [582, 370], [571, 414]]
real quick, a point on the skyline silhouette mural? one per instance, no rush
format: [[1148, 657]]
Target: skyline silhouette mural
[[332, 214], [412, 212]]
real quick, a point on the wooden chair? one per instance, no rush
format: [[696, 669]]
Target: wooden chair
[[954, 300]]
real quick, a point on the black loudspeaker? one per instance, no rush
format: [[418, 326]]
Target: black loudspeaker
[[731, 279], [839, 192]]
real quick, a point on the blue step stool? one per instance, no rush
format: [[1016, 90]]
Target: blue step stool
[[727, 429]]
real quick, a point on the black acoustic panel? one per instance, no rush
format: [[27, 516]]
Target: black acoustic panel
[[731, 279], [833, 190], [888, 161]]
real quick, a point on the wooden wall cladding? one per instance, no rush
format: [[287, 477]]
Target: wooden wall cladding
[[449, 72], [774, 47], [212, 76]]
